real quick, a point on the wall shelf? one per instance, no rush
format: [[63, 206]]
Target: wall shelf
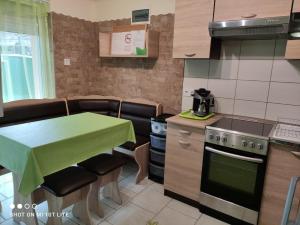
[[151, 42]]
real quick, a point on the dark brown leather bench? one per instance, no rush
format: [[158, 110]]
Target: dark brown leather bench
[[24, 111], [139, 111], [105, 105]]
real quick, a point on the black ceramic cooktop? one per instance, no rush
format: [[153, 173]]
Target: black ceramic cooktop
[[245, 126]]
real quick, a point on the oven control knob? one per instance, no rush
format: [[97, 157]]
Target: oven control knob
[[244, 143], [218, 138], [224, 139], [260, 146], [211, 136], [252, 144]]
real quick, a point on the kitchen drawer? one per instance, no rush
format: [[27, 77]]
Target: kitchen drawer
[[184, 144], [185, 132]]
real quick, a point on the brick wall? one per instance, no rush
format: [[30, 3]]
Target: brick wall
[[154, 79], [75, 39], [158, 79]]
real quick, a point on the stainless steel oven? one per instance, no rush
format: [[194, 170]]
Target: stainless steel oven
[[233, 171]]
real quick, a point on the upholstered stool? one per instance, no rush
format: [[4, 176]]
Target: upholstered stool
[[108, 168], [67, 187]]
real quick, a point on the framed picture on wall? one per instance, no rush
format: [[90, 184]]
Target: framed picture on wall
[[140, 16]]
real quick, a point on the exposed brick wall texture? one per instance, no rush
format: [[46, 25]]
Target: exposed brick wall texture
[[75, 39], [158, 79]]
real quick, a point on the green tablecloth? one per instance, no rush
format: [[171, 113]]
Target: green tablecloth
[[37, 149]]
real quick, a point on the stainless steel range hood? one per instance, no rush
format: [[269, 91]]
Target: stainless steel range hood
[[265, 28]]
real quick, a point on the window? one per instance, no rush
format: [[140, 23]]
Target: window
[[26, 59], [20, 78]]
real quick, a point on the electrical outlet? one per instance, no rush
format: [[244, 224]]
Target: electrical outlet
[[67, 62], [188, 92]]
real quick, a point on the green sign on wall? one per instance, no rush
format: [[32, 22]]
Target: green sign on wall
[[139, 16]]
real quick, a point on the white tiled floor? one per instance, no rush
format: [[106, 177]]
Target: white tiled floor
[[141, 203]]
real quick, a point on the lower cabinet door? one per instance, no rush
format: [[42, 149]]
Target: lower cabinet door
[[183, 166], [283, 164]]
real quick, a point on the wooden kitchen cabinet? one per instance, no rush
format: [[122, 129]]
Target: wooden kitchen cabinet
[[191, 35], [292, 50], [184, 155], [183, 165], [296, 7], [282, 166], [243, 9]]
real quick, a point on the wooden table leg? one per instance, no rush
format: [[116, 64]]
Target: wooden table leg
[[25, 211]]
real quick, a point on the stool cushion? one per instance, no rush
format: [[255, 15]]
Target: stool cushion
[[68, 180], [140, 140], [103, 163]]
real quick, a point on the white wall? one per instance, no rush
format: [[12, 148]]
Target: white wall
[[119, 9], [99, 10], [251, 79], [82, 9]]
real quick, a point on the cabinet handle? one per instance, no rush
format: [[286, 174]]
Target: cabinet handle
[[251, 15], [297, 154], [184, 143], [184, 132], [190, 55]]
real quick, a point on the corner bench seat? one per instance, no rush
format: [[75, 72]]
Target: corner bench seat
[[23, 111], [140, 140], [105, 105]]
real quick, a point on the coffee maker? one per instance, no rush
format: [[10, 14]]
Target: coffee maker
[[203, 103]]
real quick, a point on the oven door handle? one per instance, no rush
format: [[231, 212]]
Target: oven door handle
[[244, 158]]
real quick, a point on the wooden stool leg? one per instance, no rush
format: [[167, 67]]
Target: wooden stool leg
[[54, 208], [81, 209], [94, 199], [111, 190]]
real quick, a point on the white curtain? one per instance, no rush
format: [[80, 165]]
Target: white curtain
[[26, 57]]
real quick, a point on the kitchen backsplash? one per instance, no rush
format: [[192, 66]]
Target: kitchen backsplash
[[251, 79]]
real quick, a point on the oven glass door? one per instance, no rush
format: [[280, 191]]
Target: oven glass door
[[232, 176]]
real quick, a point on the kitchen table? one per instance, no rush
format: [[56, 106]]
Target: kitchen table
[[36, 149]]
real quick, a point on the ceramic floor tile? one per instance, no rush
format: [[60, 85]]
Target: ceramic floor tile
[[11, 222], [6, 212], [130, 184], [184, 209], [104, 223], [125, 195], [169, 216], [130, 214], [151, 200], [157, 187], [7, 189], [207, 220]]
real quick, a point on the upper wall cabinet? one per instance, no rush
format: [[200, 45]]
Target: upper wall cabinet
[[191, 36], [247, 9], [296, 7]]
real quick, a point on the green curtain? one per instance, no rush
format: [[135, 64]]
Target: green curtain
[[21, 19]]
